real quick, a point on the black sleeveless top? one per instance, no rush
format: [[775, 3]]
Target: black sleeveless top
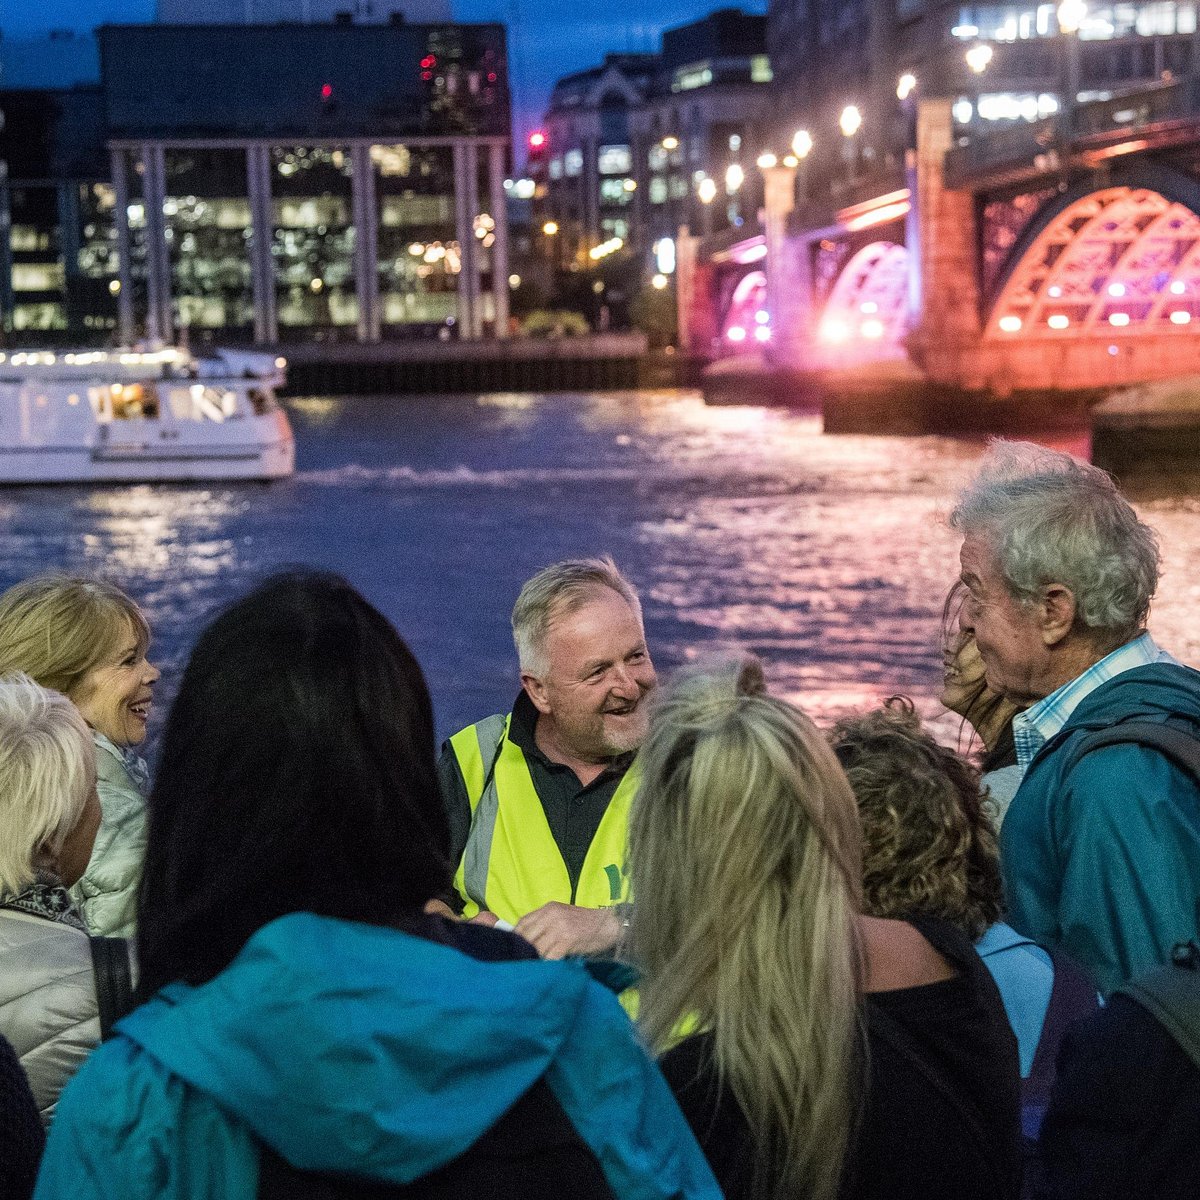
[[940, 1118]]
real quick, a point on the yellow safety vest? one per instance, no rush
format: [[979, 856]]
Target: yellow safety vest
[[511, 864]]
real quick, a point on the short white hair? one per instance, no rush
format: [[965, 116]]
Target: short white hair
[[47, 772], [1051, 518], [556, 591]]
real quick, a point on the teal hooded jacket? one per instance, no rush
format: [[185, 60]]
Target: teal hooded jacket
[[355, 1048], [1104, 864]]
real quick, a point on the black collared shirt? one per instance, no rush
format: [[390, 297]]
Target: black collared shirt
[[573, 811]]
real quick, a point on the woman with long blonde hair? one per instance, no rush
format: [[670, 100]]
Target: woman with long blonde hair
[[826, 1054]]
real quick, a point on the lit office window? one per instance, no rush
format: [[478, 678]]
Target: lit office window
[[573, 163], [1012, 23], [614, 160], [50, 315], [760, 69], [614, 191], [419, 261], [207, 215], [696, 75], [37, 277], [658, 190], [312, 243]]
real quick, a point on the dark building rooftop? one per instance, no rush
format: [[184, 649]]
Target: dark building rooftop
[[53, 133], [726, 33], [336, 80]]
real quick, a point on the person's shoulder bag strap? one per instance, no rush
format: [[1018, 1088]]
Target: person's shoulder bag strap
[[114, 981], [1181, 747], [1171, 995]]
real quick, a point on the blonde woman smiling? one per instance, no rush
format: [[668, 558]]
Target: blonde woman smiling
[[835, 1054], [87, 639]]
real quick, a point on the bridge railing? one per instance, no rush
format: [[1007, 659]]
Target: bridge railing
[[1022, 151]]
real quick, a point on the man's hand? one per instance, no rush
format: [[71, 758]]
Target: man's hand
[[439, 908], [556, 930]]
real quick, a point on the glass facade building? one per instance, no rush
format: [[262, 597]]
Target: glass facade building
[[277, 183]]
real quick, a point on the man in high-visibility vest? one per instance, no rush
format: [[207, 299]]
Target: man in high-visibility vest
[[538, 799]]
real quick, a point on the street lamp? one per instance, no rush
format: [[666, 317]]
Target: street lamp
[[906, 85], [850, 122], [978, 57], [802, 146], [706, 191], [766, 160]]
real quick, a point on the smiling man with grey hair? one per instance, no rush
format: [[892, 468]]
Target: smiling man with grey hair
[[538, 798], [1101, 846]]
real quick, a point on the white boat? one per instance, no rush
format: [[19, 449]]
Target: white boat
[[109, 416]]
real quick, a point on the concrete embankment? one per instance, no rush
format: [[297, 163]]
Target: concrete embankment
[[598, 361], [894, 398], [1149, 436]]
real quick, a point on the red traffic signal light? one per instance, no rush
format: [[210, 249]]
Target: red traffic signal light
[[537, 141]]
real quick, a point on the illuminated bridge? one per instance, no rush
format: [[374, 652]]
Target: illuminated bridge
[[1059, 254]]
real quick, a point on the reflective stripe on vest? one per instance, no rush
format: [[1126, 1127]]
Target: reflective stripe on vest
[[511, 864]]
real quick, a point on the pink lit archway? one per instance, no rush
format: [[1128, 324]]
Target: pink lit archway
[[866, 315], [743, 319], [1118, 262]]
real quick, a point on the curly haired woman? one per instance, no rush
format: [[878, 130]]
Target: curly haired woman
[[929, 850]]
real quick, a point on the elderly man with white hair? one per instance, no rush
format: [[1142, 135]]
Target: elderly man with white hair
[[1101, 846]]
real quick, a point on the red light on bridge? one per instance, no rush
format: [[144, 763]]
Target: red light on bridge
[[326, 91]]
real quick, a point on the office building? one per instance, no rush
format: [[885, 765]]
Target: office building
[[277, 182], [627, 142]]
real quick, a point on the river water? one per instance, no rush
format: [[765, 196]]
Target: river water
[[828, 556]]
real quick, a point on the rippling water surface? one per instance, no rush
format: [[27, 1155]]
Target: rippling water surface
[[826, 555]]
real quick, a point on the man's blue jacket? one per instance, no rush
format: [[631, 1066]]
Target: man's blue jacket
[[1105, 864], [354, 1048]]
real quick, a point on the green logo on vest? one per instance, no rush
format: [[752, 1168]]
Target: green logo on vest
[[614, 881]]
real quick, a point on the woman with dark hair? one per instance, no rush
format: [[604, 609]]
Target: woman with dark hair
[[307, 1030]]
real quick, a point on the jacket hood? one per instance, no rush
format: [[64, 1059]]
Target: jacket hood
[[1153, 692], [341, 1044]]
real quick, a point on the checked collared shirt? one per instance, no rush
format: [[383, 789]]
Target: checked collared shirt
[[1034, 727]]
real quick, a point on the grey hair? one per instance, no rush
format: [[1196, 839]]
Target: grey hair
[[556, 591], [47, 772], [1051, 518]]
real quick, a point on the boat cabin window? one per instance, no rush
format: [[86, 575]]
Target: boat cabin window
[[261, 401], [202, 403], [124, 401]]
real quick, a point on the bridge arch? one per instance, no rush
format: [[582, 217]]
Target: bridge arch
[[867, 309], [746, 313], [1113, 260]]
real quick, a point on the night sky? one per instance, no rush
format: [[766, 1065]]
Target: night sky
[[547, 38]]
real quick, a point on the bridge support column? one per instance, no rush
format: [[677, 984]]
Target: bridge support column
[[789, 282], [693, 297], [945, 340]]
